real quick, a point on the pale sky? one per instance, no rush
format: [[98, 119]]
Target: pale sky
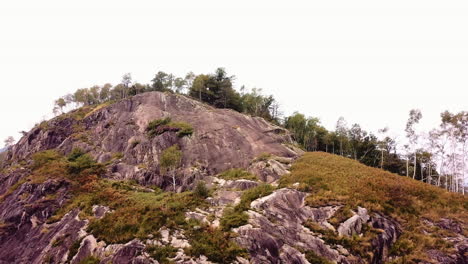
[[368, 61]]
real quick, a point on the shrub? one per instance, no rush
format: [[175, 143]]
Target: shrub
[[213, 243], [201, 190], [235, 174], [44, 157], [82, 163], [313, 258], [162, 253], [139, 214], [233, 218], [252, 194], [159, 126]]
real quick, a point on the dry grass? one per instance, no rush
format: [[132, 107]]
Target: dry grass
[[336, 180]]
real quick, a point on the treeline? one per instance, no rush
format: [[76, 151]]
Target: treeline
[[215, 89], [437, 157]]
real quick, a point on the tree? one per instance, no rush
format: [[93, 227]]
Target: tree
[[9, 141], [383, 145], [199, 88], [104, 94], [341, 133], [126, 84], [162, 82], [170, 160], [415, 116], [60, 104]]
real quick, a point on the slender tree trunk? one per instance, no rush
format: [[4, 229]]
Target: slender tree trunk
[[381, 160], [463, 169], [407, 167], [174, 180], [429, 179], [415, 166]]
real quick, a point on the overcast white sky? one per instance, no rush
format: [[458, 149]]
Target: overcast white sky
[[369, 61]]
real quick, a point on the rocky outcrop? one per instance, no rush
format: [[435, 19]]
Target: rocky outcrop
[[353, 225], [222, 139], [275, 231]]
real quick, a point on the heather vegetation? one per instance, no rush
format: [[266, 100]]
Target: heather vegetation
[[237, 174], [159, 126], [335, 180]]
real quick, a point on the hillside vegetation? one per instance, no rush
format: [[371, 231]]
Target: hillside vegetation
[[332, 179]]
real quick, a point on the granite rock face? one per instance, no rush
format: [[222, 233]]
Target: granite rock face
[[222, 139]]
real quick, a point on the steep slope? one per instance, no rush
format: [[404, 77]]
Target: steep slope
[[60, 178], [393, 215], [222, 139], [91, 186]]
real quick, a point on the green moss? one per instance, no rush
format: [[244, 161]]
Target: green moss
[[236, 174]]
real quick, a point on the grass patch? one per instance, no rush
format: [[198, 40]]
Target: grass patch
[[235, 217], [213, 243], [236, 174], [316, 259], [162, 253], [336, 180], [90, 260], [159, 126]]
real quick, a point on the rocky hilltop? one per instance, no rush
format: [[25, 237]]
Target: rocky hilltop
[[94, 186]]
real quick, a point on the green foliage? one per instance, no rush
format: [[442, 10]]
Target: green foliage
[[139, 214], [236, 174], [213, 243], [159, 126], [75, 154], [170, 158], [252, 194], [162, 253], [44, 157], [78, 161], [216, 89], [232, 218], [201, 190], [313, 258]]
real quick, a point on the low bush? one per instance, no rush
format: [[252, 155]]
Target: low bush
[[213, 243], [162, 253], [44, 157], [159, 126], [236, 174], [201, 190]]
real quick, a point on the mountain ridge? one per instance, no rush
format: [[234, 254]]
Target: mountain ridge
[[162, 178]]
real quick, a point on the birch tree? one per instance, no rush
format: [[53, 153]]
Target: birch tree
[[415, 116]]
